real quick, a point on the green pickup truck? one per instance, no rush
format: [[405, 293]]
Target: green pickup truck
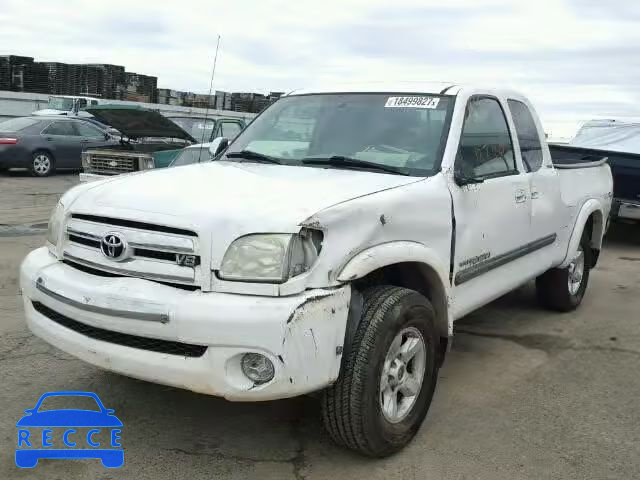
[[149, 139]]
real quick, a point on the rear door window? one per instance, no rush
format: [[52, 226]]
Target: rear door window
[[60, 128], [528, 135], [89, 131]]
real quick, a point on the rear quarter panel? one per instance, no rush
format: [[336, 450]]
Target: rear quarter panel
[[584, 191]]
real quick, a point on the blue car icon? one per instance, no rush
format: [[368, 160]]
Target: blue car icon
[[29, 452]]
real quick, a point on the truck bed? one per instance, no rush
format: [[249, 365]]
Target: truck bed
[[625, 168]]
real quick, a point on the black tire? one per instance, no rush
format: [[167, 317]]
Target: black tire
[[552, 287], [351, 408], [39, 161]]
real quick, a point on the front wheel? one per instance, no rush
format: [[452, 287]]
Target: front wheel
[[388, 374], [562, 289]]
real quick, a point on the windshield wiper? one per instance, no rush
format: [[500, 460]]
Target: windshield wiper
[[251, 155], [348, 162]]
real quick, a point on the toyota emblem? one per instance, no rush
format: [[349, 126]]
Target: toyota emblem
[[113, 246]]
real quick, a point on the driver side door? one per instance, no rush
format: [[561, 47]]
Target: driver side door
[[492, 208]]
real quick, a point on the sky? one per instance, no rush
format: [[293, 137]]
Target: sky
[[575, 59]]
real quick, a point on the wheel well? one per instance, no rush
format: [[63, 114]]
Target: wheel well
[[45, 150], [594, 229], [421, 278]]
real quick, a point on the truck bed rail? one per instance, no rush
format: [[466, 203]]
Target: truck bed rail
[[567, 156]]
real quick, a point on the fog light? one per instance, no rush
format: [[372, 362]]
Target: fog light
[[257, 367]]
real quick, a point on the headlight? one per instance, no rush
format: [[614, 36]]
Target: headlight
[[55, 222], [147, 163], [273, 257], [86, 160]]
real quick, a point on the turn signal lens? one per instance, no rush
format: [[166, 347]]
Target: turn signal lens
[[8, 141]]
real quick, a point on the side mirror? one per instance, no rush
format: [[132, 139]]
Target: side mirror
[[217, 146], [462, 180], [107, 136]]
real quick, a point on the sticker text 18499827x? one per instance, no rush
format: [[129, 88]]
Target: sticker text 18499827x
[[412, 102]]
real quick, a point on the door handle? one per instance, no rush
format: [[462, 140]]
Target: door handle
[[535, 194], [521, 196], [84, 140], [48, 139]]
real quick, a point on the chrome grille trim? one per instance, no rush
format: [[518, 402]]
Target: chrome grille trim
[[89, 236], [103, 164], [164, 242], [125, 162], [153, 255], [122, 271]]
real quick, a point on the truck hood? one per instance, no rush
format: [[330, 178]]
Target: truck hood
[[137, 122], [237, 197]]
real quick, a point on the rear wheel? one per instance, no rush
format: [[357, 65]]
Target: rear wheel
[[563, 289], [388, 374], [42, 164]]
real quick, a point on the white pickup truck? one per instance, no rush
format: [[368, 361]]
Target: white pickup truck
[[329, 248]]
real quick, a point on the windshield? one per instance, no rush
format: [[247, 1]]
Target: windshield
[[199, 128], [59, 103], [192, 155], [17, 124], [402, 131]]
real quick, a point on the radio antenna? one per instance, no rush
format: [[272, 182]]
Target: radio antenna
[[206, 113]]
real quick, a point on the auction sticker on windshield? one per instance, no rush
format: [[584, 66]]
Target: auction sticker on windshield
[[412, 102]]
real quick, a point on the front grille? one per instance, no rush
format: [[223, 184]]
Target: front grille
[[151, 251], [110, 165], [133, 224], [124, 339], [84, 241]]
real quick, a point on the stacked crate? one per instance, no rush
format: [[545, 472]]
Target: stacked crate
[[220, 100], [140, 86], [187, 99], [16, 71], [74, 79], [168, 97], [241, 102], [165, 95], [204, 101], [36, 78], [113, 79], [58, 78], [89, 80], [5, 73], [260, 102]]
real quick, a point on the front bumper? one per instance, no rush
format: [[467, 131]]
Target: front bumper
[[92, 177], [626, 209], [302, 334]]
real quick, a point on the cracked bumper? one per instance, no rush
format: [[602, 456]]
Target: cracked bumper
[[301, 334]]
